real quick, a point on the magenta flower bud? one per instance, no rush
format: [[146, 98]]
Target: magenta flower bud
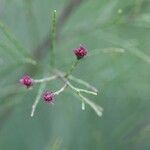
[[49, 96], [80, 52], [27, 81]]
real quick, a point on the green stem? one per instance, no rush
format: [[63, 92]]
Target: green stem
[[12, 39], [32, 23], [53, 39], [72, 68]]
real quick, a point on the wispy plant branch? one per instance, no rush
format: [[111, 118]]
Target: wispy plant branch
[[71, 6], [86, 84], [16, 55], [95, 107], [45, 79], [63, 77], [28, 61], [41, 88], [80, 90], [61, 90], [83, 105], [77, 91], [12, 39], [72, 68], [31, 22], [19, 50], [53, 39]]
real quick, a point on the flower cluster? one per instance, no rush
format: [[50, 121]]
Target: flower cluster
[[27, 81], [80, 52], [49, 96]]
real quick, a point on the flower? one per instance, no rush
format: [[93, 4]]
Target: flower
[[27, 81], [48, 96], [80, 52]]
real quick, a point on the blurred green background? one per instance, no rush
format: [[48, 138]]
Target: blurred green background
[[117, 34]]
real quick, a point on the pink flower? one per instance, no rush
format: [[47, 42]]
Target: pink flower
[[49, 96], [80, 52], [27, 81]]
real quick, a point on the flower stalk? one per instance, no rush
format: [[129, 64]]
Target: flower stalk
[[61, 90], [53, 39], [94, 106], [41, 88], [72, 68], [45, 79], [86, 84]]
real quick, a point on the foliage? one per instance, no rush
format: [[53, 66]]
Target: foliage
[[117, 36]]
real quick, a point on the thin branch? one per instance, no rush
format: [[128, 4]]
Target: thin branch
[[45, 79], [41, 88], [39, 52], [77, 80], [83, 83], [61, 75], [53, 39], [95, 107], [80, 90], [83, 105], [12, 39], [28, 60], [61, 90], [72, 68], [15, 54], [31, 22]]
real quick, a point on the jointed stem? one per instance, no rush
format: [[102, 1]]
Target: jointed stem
[[45, 79], [95, 107], [77, 80], [61, 90], [53, 38], [77, 91], [65, 80], [12, 39], [41, 88], [72, 68]]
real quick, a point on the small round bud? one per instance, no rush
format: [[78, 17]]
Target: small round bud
[[80, 52], [49, 96], [27, 81]]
